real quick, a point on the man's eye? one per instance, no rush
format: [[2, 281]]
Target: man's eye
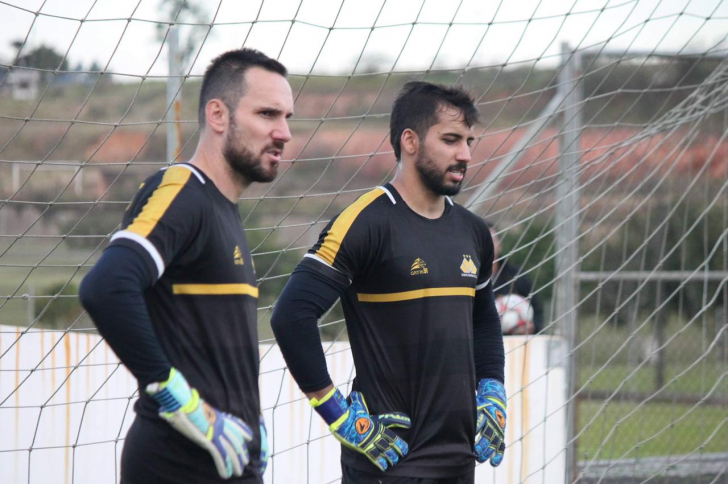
[[450, 141]]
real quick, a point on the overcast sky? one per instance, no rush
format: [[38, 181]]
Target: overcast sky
[[329, 36]]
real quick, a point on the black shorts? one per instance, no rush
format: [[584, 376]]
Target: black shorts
[[155, 453], [354, 476]]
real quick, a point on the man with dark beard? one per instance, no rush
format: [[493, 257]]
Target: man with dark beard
[[412, 270], [174, 294]]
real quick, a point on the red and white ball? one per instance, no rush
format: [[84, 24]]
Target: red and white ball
[[516, 314]]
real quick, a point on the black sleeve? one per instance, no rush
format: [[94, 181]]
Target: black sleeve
[[306, 297], [113, 294], [537, 313], [487, 337], [523, 286]]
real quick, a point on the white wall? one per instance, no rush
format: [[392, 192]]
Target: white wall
[[65, 406]]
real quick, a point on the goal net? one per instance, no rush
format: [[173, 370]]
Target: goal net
[[601, 163]]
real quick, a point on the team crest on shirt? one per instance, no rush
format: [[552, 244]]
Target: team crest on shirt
[[468, 267], [238, 256], [418, 267]]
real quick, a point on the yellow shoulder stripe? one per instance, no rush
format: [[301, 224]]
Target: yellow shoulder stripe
[[215, 289], [338, 230], [172, 182], [417, 294]]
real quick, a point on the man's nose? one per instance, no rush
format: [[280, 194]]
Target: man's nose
[[464, 153], [282, 132]]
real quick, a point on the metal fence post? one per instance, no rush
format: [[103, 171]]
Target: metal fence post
[[567, 244]]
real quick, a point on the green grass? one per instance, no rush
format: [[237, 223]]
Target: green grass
[[654, 429], [678, 380]]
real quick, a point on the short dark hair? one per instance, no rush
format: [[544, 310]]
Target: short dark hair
[[224, 77], [417, 106]]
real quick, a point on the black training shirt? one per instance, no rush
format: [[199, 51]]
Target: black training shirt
[[412, 283], [203, 304]]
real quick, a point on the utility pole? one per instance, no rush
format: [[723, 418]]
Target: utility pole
[[174, 104]]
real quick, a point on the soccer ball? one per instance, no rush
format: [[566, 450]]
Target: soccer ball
[[516, 314]]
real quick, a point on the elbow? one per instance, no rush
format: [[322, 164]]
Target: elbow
[[93, 295], [86, 294], [277, 321]]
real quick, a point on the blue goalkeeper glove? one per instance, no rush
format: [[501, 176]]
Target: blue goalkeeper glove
[[223, 435], [353, 426], [264, 453], [491, 424]]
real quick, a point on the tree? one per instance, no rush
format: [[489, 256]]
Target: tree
[[531, 247], [42, 57]]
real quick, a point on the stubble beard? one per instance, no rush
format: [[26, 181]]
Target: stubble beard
[[247, 167], [434, 178]]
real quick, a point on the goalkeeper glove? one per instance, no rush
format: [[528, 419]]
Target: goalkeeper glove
[[263, 447], [491, 424], [354, 427], [223, 435]]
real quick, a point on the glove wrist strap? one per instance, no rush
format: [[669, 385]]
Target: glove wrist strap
[[157, 386], [173, 393], [484, 382], [331, 407], [492, 388]]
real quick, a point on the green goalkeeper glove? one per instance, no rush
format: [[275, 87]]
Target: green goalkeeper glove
[[491, 424], [354, 427], [223, 435]]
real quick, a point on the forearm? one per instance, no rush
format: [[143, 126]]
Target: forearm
[[307, 296], [488, 347], [113, 295]]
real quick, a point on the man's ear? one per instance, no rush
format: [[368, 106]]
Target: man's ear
[[409, 142], [217, 116]]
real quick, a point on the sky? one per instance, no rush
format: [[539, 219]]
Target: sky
[[352, 36]]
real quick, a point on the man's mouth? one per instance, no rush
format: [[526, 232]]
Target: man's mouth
[[457, 173], [274, 153]]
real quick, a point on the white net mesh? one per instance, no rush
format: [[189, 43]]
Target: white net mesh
[[602, 162]]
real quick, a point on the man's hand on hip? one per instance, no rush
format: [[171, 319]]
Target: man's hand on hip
[[354, 427], [221, 434]]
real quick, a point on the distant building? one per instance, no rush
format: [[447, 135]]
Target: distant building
[[22, 84]]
